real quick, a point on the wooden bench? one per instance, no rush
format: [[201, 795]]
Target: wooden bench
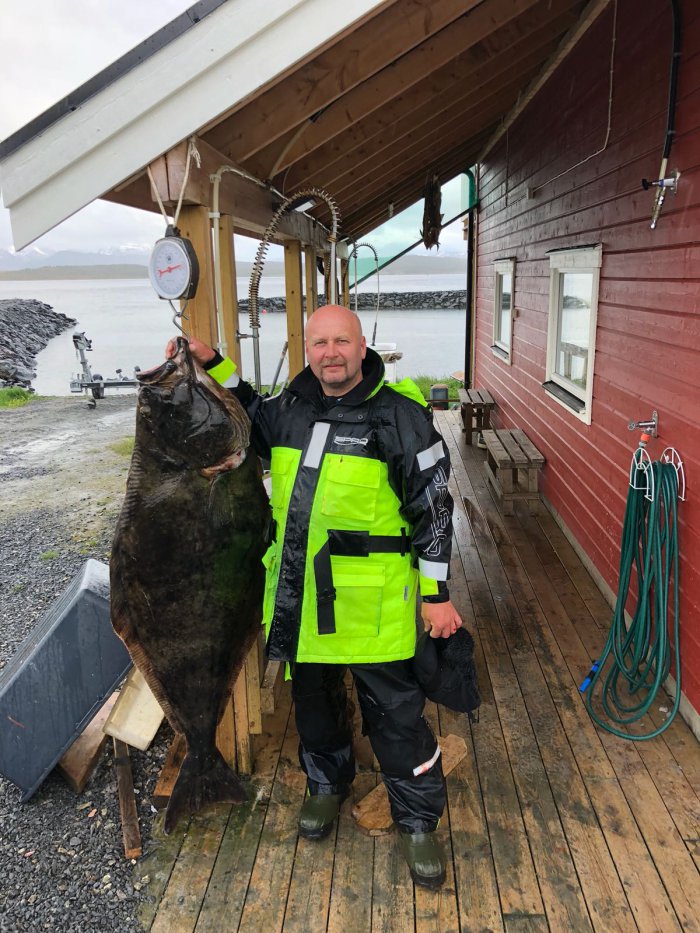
[[476, 405], [511, 466]]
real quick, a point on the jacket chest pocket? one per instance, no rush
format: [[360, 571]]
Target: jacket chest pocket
[[359, 591], [350, 489]]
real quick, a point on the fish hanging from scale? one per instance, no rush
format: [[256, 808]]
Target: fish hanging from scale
[[186, 574]]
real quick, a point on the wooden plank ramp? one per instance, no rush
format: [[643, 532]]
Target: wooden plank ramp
[[551, 824]]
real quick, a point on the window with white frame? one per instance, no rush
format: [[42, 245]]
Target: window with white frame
[[504, 290], [574, 275]]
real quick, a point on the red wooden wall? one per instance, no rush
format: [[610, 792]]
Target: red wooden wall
[[648, 331]]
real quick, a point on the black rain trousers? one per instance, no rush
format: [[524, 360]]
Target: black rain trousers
[[392, 705]]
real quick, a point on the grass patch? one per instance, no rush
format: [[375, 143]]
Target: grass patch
[[124, 447], [14, 397], [425, 382], [48, 555]]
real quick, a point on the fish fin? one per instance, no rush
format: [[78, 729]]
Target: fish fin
[[199, 784]]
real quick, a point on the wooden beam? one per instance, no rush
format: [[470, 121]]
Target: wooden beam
[[295, 313], [363, 52], [131, 834], [195, 225], [170, 771], [78, 764], [424, 143], [310, 281], [226, 734], [419, 75], [468, 81], [390, 186], [247, 201], [137, 193], [229, 291], [586, 20]]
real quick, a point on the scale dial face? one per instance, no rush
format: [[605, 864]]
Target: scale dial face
[[173, 269]]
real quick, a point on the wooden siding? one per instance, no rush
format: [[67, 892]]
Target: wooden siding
[[648, 331]]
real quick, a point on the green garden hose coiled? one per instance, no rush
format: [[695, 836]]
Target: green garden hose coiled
[[640, 656]]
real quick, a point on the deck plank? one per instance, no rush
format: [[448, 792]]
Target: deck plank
[[475, 874], [266, 898], [557, 877], [188, 883], [350, 907], [157, 866], [231, 874], [437, 911], [517, 879]]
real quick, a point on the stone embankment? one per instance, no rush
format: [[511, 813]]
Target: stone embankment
[[26, 326], [367, 301]]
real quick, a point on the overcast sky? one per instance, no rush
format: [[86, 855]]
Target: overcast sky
[[49, 48]]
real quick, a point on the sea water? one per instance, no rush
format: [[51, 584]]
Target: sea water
[[129, 326]]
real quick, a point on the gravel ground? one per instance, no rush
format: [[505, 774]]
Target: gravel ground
[[62, 864]]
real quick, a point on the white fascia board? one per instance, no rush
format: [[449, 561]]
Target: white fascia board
[[182, 87]]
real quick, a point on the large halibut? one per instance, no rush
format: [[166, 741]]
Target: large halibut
[[186, 572]]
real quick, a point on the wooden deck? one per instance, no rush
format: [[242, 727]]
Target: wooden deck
[[551, 824]]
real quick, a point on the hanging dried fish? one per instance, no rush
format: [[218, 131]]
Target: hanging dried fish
[[432, 218]]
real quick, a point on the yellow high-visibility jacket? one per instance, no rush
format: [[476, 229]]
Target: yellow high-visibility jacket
[[362, 514]]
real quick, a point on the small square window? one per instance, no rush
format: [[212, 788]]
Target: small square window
[[504, 290], [573, 308]]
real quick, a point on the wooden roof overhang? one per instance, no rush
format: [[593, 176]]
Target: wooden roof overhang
[[409, 87], [419, 87]]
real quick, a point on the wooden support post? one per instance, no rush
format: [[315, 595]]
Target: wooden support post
[[169, 772], [127, 802], [252, 679], [229, 292], [345, 283], [226, 734], [194, 224], [295, 316], [326, 277], [244, 741], [310, 280]]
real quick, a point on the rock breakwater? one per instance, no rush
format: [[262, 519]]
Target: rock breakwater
[[367, 301], [26, 326]]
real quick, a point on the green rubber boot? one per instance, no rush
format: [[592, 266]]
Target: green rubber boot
[[425, 857], [318, 815]]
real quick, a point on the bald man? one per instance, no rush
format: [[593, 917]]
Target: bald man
[[363, 523]]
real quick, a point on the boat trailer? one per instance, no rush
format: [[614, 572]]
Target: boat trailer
[[93, 384]]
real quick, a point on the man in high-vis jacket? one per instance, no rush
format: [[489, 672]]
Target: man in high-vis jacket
[[363, 521]]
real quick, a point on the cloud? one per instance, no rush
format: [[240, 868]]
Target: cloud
[[51, 47]]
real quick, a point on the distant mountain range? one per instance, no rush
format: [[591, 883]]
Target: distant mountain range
[[132, 262], [34, 258]]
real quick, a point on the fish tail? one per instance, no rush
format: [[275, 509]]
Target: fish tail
[[200, 783]]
